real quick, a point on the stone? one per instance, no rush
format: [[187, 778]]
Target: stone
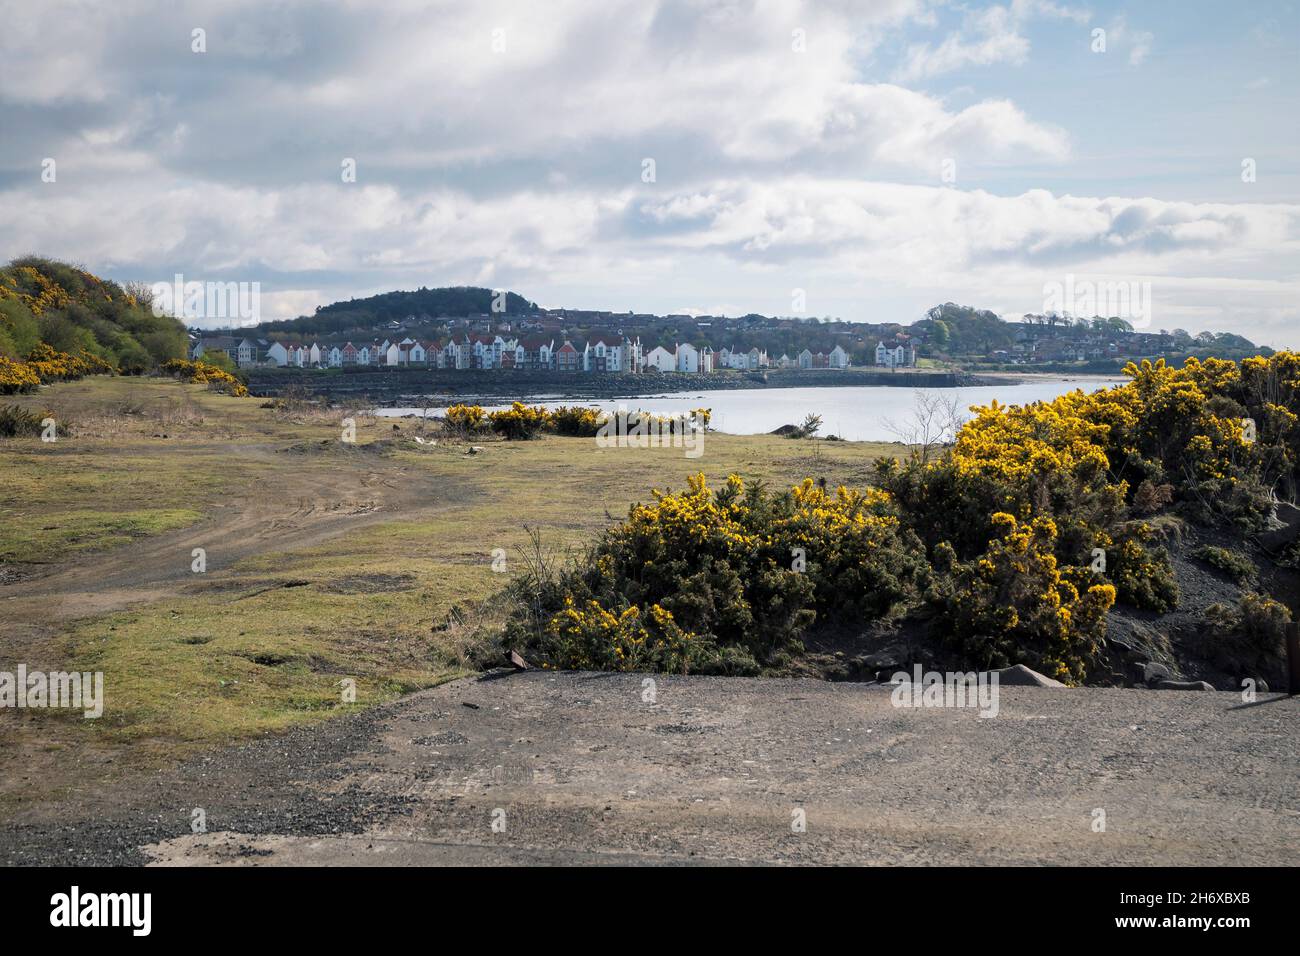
[[1183, 685], [1284, 527], [1018, 675], [1153, 671]]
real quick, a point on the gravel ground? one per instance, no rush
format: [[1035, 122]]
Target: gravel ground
[[583, 768]]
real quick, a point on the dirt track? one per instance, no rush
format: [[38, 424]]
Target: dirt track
[[586, 770], [300, 504]]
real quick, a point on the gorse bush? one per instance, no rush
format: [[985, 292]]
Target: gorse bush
[[521, 422], [1232, 563], [44, 365], [1015, 604], [466, 419], [202, 373], [577, 421], [1248, 639], [17, 377], [1014, 543], [17, 422], [738, 573]]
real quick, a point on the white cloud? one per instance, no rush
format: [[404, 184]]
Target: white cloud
[[775, 169], [988, 35]]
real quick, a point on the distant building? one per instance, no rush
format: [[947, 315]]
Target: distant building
[[898, 356]]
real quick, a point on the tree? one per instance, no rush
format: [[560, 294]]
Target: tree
[[933, 423]]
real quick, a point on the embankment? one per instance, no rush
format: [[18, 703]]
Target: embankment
[[396, 384]]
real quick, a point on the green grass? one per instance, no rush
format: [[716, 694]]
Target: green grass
[[239, 653], [58, 533]]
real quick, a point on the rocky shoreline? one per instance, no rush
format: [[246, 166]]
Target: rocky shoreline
[[389, 386]]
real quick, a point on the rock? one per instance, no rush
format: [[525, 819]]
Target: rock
[[1018, 675], [1284, 527], [1152, 672], [1183, 685], [886, 659], [1122, 647], [475, 449]]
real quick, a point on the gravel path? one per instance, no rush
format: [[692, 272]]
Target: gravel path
[[582, 768]]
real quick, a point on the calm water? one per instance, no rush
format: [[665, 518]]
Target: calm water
[[857, 414]]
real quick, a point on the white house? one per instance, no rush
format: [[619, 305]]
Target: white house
[[246, 354], [278, 354], [899, 356], [393, 354], [805, 359], [335, 357], [688, 358], [661, 359], [839, 358], [603, 354]]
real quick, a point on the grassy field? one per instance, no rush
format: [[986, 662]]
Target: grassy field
[[328, 562]]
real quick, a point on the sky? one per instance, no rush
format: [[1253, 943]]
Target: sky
[[863, 160]]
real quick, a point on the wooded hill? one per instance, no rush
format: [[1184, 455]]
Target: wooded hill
[[75, 312]]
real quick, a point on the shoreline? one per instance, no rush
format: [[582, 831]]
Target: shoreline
[[442, 386]]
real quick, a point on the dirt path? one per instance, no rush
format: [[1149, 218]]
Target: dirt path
[[584, 768], [299, 503]]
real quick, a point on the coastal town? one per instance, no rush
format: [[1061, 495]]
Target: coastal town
[[608, 354]]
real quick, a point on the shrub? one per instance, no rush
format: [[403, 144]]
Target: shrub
[[1248, 640], [520, 421], [17, 377], [1140, 571], [743, 573], [1014, 604], [577, 421], [52, 366], [19, 422], [466, 419], [203, 373], [1232, 563], [808, 429], [594, 638]]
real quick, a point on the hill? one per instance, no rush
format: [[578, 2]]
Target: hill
[[376, 310], [75, 312]]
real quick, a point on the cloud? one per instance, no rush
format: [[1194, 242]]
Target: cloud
[[990, 35], [778, 164], [1121, 36]]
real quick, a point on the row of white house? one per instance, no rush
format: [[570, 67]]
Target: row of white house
[[684, 357], [600, 354]]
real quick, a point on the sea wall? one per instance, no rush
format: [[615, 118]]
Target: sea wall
[[391, 385]]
